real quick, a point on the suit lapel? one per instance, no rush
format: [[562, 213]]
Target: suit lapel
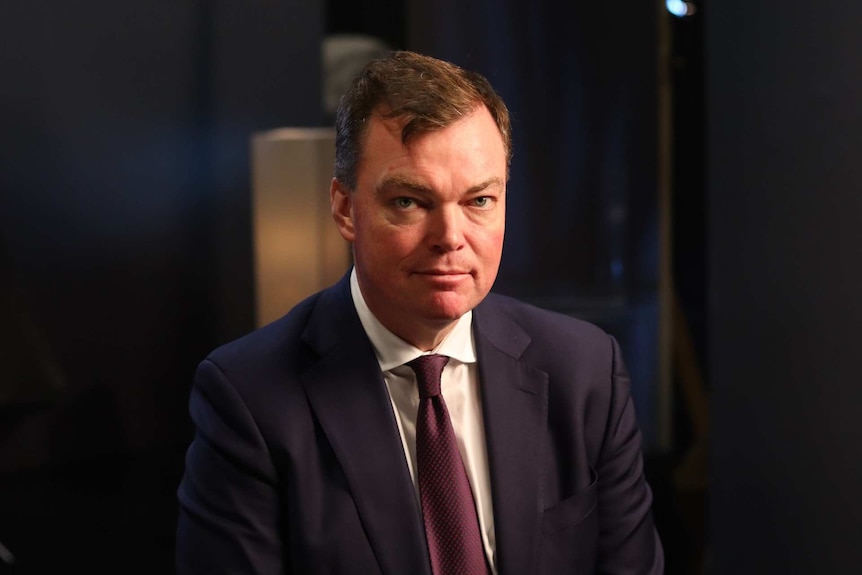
[[514, 403], [348, 395]]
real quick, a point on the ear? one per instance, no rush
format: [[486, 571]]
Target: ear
[[341, 206]]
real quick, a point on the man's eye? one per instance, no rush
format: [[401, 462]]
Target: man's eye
[[404, 202], [481, 201]]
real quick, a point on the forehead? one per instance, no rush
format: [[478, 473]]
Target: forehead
[[472, 143]]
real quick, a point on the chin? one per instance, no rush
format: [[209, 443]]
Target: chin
[[447, 308]]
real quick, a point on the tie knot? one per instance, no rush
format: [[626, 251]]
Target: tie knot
[[428, 369]]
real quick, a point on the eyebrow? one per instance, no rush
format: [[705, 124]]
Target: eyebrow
[[403, 182]]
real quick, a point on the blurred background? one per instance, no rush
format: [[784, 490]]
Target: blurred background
[[685, 175]]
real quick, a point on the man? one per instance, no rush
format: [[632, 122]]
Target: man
[[326, 442]]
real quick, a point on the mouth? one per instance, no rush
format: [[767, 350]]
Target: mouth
[[443, 272], [444, 278]]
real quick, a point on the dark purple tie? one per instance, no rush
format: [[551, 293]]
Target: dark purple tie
[[451, 524]]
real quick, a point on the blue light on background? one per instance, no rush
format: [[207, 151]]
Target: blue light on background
[[679, 8]]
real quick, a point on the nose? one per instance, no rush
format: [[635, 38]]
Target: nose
[[446, 230]]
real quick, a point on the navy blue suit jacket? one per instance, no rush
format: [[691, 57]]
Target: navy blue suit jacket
[[297, 465]]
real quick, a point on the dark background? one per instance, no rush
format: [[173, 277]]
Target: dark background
[[785, 240], [125, 251]]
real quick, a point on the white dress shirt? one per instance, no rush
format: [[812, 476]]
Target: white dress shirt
[[460, 390]]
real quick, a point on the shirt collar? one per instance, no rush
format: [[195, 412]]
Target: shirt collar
[[392, 351]]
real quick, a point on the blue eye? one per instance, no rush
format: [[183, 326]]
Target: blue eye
[[481, 201], [404, 202]]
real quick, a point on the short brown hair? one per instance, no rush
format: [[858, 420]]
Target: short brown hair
[[427, 93]]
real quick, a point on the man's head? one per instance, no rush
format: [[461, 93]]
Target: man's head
[[421, 167], [425, 93]]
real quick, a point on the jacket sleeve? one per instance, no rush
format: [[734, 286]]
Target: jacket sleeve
[[628, 541], [229, 508]]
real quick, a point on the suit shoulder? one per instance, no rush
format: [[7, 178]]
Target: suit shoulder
[[278, 337], [545, 323], [579, 358]]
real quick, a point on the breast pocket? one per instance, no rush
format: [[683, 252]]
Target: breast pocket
[[571, 511], [570, 533]]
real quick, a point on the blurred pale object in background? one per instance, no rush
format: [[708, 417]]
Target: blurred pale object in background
[[343, 56], [297, 249]]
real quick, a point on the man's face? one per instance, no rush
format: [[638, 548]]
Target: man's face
[[426, 222]]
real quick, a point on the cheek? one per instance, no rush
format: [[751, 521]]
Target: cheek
[[386, 248], [491, 245], [395, 242]]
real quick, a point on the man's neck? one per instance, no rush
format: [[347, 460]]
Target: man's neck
[[424, 336], [426, 339]]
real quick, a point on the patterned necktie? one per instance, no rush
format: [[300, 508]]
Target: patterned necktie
[[451, 524]]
